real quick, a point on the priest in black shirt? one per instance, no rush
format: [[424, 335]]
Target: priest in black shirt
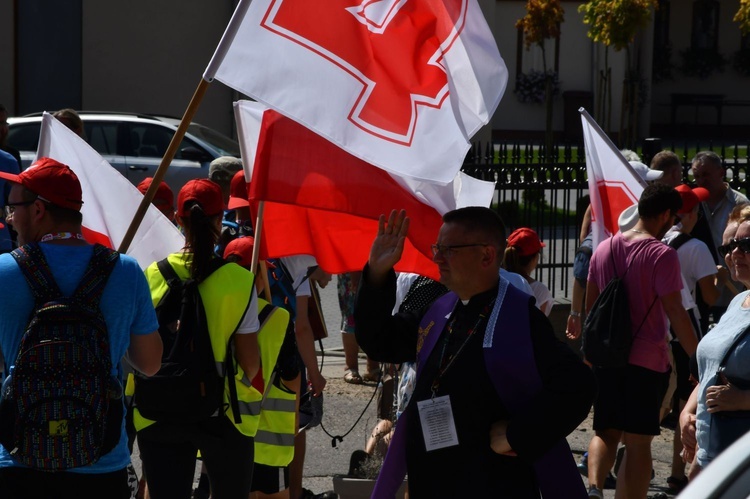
[[496, 393]]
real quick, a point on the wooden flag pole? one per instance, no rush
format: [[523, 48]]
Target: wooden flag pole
[[260, 268], [169, 155]]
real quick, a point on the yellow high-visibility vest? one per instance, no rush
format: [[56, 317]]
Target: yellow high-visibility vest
[[226, 294], [274, 440]]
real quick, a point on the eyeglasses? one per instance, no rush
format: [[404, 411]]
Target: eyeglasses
[[447, 249], [743, 244], [10, 208]]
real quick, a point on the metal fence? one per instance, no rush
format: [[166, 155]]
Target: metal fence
[[549, 193]]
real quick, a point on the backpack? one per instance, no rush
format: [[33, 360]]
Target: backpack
[[188, 386], [284, 295], [607, 333], [61, 406], [281, 284]]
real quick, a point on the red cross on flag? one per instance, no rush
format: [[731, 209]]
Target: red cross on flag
[[401, 84], [613, 184]]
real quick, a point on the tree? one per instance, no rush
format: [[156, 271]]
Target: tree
[[542, 22], [743, 16], [614, 23]]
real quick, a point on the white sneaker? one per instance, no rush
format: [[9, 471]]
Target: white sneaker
[[595, 493]]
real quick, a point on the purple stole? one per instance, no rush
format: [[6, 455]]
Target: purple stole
[[509, 359]]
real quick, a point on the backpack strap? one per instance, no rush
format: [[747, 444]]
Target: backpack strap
[[611, 254], [36, 271], [168, 272], [170, 275], [97, 274], [678, 241]]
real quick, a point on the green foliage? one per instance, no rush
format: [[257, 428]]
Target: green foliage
[[614, 23], [743, 16], [541, 22]]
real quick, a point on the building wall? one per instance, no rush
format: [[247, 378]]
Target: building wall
[[145, 56], [7, 67], [575, 64], [729, 82]]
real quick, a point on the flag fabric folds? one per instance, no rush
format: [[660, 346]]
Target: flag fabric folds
[[321, 200], [613, 184], [401, 85], [109, 199]]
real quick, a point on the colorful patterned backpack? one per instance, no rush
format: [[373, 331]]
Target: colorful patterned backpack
[[61, 406]]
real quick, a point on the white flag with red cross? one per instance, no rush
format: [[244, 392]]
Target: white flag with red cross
[[400, 84], [613, 184]]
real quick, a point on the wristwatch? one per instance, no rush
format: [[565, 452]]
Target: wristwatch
[[575, 314]]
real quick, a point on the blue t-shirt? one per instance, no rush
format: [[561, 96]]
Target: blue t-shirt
[[711, 351], [8, 164], [125, 304]]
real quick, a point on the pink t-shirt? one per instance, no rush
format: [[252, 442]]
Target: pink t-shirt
[[654, 272]]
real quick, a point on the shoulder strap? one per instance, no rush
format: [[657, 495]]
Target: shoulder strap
[[678, 241], [168, 272], [97, 274], [36, 271], [170, 275], [612, 256], [733, 346]]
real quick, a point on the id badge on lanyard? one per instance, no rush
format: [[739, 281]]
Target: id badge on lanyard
[[438, 426]]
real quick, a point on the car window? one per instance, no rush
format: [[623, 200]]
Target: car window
[[24, 137], [102, 136], [222, 143], [151, 141]]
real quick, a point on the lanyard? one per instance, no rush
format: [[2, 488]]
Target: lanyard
[[469, 334], [61, 235]]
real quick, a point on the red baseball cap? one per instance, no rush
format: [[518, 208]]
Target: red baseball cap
[[164, 197], [238, 191], [242, 247], [52, 181], [204, 192], [691, 197], [526, 241]]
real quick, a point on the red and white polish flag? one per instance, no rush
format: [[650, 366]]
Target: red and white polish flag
[[322, 201], [613, 184], [109, 199], [400, 84]]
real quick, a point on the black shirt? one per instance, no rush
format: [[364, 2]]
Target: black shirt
[[472, 469]]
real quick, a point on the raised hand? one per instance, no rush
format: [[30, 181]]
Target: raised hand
[[388, 245]]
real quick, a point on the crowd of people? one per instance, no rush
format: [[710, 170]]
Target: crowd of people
[[677, 253], [472, 366]]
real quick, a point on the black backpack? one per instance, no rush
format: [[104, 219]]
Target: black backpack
[[607, 333], [61, 406], [188, 387]]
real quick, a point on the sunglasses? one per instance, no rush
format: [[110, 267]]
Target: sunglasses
[[743, 244]]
